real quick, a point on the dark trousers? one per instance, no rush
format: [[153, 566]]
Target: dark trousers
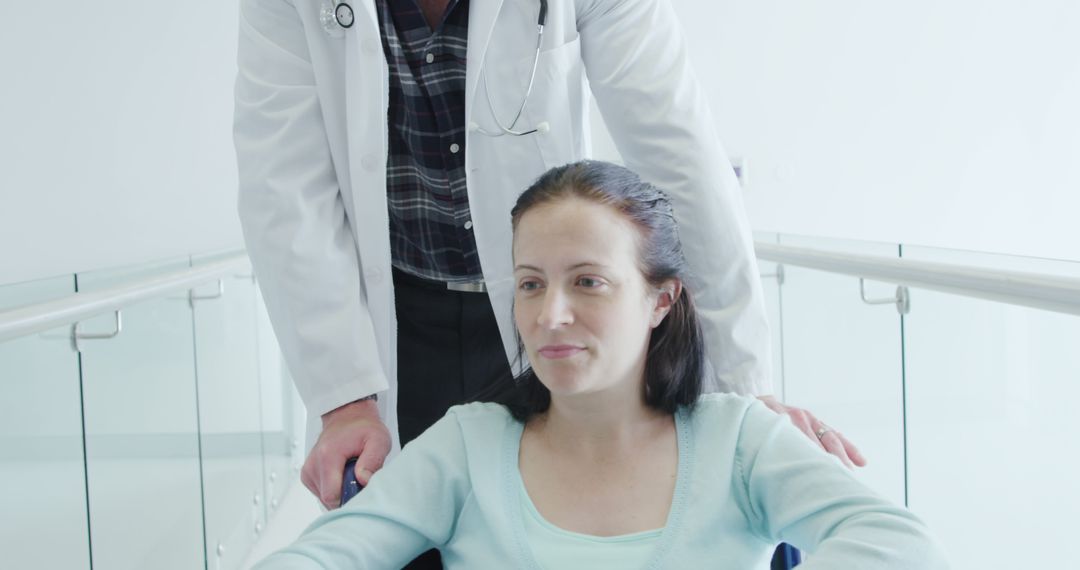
[[449, 352]]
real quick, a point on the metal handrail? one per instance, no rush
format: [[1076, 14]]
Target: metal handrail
[[1041, 291], [73, 308]]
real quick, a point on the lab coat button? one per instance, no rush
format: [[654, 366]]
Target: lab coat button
[[369, 162]]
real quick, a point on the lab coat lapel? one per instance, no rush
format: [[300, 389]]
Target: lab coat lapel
[[366, 99], [482, 14]]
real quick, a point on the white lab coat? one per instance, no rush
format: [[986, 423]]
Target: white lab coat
[[311, 140]]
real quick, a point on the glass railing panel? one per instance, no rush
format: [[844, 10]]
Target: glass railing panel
[[226, 351], [991, 394], [842, 360], [142, 431], [771, 278], [43, 522], [282, 416]]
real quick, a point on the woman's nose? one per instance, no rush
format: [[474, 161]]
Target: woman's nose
[[555, 312]]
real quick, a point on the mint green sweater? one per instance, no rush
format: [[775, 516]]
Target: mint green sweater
[[747, 479]]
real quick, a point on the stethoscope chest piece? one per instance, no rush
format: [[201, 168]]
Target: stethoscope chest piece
[[336, 17], [343, 13]]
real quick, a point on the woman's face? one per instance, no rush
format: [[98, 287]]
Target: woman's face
[[582, 307]]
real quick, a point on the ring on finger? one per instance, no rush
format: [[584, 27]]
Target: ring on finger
[[821, 431]]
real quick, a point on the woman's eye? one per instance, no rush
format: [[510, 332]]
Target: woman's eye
[[589, 282], [529, 285]]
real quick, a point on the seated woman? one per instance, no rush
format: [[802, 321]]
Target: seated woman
[[610, 457]]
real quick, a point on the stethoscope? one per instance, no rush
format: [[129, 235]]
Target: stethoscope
[[341, 13], [338, 17]]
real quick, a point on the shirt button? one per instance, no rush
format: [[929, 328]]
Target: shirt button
[[468, 225], [454, 148], [430, 57]]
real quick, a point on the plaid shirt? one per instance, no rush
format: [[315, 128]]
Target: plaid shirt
[[430, 223]]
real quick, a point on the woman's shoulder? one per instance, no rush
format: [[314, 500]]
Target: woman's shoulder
[[729, 416], [481, 419], [485, 431], [467, 431], [722, 403], [479, 411]]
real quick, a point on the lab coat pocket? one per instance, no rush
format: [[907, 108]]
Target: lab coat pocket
[[557, 106]]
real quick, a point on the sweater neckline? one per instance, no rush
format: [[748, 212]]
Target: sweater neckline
[[512, 482]]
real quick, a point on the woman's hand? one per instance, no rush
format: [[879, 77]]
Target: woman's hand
[[829, 439]]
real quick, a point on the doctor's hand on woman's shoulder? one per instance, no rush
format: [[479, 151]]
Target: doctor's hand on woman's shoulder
[[353, 430], [829, 439]]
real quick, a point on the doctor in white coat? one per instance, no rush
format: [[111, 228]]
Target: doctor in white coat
[[311, 139]]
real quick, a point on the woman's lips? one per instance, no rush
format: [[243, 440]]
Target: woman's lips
[[559, 351]]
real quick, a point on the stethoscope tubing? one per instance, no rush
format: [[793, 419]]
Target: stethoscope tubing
[[528, 91]]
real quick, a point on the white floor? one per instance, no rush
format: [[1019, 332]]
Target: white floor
[[297, 509]]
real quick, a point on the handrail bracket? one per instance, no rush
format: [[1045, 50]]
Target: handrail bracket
[[902, 298], [77, 335]]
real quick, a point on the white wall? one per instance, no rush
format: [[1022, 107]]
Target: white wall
[[952, 124], [115, 133]]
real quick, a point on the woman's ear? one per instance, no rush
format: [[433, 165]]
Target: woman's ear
[[670, 291]]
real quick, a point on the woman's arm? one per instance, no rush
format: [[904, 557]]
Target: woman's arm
[[799, 494], [408, 507]]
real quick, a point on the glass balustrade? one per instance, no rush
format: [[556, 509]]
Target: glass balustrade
[[194, 432], [283, 416], [192, 428], [991, 391], [43, 520], [962, 406], [843, 360], [230, 408], [142, 430]]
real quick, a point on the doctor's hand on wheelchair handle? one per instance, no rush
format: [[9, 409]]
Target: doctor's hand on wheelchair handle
[[353, 430]]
